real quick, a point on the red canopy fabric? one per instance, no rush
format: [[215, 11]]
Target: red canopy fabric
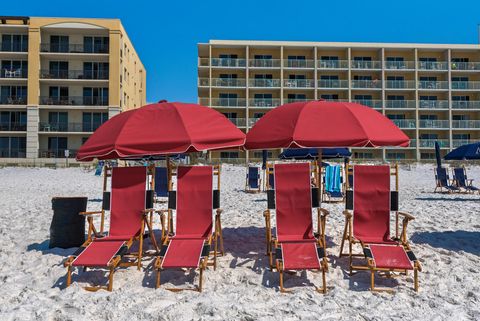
[[322, 124], [161, 129]]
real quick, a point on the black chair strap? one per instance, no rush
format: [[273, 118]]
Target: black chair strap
[[393, 200], [172, 199], [271, 198]]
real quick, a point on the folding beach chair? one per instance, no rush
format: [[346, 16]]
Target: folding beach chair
[[162, 183], [461, 180], [443, 181], [371, 202], [294, 246], [253, 181], [194, 203], [333, 184], [128, 203]]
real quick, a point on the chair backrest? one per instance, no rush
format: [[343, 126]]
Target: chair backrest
[[127, 200], [253, 176], [442, 176], [460, 176], [333, 178], [194, 199], [293, 201], [371, 202], [161, 181]]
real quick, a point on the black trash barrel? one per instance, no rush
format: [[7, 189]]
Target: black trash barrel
[[68, 227]]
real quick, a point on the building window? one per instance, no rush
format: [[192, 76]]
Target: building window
[[15, 43], [14, 69], [13, 147], [59, 44], [13, 121], [91, 121], [16, 95], [228, 154], [96, 44]]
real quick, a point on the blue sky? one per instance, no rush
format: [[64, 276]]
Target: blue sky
[[166, 33]]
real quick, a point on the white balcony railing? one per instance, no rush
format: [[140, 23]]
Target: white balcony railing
[[432, 85], [433, 104], [298, 63], [405, 123], [466, 124], [432, 65], [266, 83], [229, 62], [460, 85], [239, 122], [264, 63], [471, 104], [400, 65], [373, 84], [332, 64], [228, 82], [434, 123], [264, 102], [299, 83], [465, 66], [430, 143], [366, 64], [400, 104], [374, 103], [459, 142], [332, 83], [400, 84]]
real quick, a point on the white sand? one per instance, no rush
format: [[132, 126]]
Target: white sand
[[445, 236]]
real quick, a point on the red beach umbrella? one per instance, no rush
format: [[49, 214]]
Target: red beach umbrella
[[161, 129], [322, 124]]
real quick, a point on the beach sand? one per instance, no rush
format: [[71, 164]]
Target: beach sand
[[445, 236]]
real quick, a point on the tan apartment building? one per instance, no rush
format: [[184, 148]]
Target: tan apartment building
[[61, 78], [431, 91]]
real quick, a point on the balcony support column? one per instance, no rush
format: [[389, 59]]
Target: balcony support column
[[32, 141]]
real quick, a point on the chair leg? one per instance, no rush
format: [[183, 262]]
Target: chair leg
[[215, 251], [110, 279], [415, 279], [158, 269], [200, 282], [372, 280], [324, 281], [343, 239], [69, 275]]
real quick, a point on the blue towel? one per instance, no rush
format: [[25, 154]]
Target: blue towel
[[332, 179], [99, 168]]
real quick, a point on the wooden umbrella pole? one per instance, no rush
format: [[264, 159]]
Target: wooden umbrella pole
[[319, 174]]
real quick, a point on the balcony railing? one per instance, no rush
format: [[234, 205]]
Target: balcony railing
[[433, 104], [74, 74], [268, 83], [436, 124], [374, 84], [459, 85], [332, 64], [298, 63], [13, 100], [459, 142], [432, 65], [400, 104], [374, 103], [68, 127], [14, 46], [299, 83], [422, 84], [13, 153], [400, 84], [465, 66], [228, 102], [56, 153], [229, 62], [239, 122], [264, 102], [366, 64], [413, 143], [74, 48], [228, 82], [295, 100], [252, 121], [471, 104], [264, 63], [9, 126], [399, 64], [74, 101], [332, 83], [430, 143], [14, 73], [405, 123], [467, 124]]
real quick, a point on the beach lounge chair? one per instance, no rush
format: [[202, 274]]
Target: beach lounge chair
[[254, 181], [295, 247], [461, 180], [368, 224], [162, 183], [443, 181], [195, 231], [333, 184], [129, 204]]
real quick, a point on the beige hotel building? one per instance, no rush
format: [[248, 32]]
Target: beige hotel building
[[431, 91], [60, 79]]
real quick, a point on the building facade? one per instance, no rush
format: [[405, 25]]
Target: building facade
[[61, 78], [432, 92]]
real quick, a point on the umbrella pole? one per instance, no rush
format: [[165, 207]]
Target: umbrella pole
[[169, 185], [319, 175]]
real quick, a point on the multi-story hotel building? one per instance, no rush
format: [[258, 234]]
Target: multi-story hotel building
[[432, 92], [60, 79]]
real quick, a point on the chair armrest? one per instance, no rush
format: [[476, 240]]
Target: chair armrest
[[323, 211], [407, 216], [347, 214], [90, 213], [219, 211]]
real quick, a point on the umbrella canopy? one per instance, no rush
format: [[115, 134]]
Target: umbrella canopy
[[309, 153], [324, 124], [161, 129], [469, 151]]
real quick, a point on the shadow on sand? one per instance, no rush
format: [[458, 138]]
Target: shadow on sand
[[456, 199], [466, 241]]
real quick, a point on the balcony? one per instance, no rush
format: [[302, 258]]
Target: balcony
[[413, 143], [400, 104], [13, 100], [433, 104], [430, 143], [295, 100], [226, 82], [468, 85], [264, 63], [74, 74], [432, 85], [459, 104], [74, 48], [332, 83], [74, 101], [405, 123], [299, 83], [228, 102], [14, 73], [68, 127], [465, 66], [239, 122], [56, 153], [265, 83], [252, 121], [14, 46], [400, 84], [264, 102], [332, 64], [366, 64], [299, 63], [466, 124], [367, 84], [373, 103], [14, 127], [229, 62], [459, 142], [434, 124], [399, 65], [13, 153], [433, 65], [203, 62]]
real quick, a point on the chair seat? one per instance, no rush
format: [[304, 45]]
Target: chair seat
[[377, 240], [300, 255], [110, 238], [98, 254], [335, 194], [390, 257], [183, 253]]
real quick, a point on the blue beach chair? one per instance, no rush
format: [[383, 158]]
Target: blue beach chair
[[461, 180], [443, 181], [254, 181], [161, 183]]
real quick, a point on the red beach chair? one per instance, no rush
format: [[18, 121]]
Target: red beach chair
[[296, 247], [128, 216], [194, 202], [369, 224]]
